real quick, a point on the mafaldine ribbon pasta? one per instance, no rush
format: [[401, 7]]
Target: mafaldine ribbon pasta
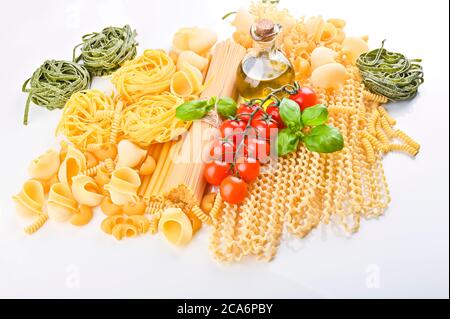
[[73, 165], [123, 186], [61, 204], [45, 166], [86, 191], [176, 226], [30, 201]]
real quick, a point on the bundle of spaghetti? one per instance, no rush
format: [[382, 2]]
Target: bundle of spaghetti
[[152, 119], [187, 162], [148, 74], [79, 122]]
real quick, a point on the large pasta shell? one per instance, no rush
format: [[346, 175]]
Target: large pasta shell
[[176, 227], [193, 59], [181, 85], [194, 75], [321, 56], [30, 201], [130, 154], [74, 163], [201, 40], [86, 191], [61, 204], [353, 48], [123, 186], [45, 166], [329, 76]]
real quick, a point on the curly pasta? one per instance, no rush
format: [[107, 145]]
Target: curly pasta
[[205, 218], [37, 224]]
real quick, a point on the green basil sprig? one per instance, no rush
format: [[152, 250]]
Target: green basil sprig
[[196, 110], [226, 107], [321, 138]]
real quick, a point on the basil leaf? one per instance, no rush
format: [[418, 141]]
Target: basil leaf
[[193, 110], [226, 107], [290, 113], [324, 139], [316, 115], [287, 142]]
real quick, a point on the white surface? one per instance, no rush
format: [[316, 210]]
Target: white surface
[[404, 254]]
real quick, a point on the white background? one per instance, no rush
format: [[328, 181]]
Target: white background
[[404, 254]]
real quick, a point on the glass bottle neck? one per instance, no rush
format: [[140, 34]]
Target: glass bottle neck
[[265, 48]]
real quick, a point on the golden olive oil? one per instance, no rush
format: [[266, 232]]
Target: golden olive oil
[[265, 67]]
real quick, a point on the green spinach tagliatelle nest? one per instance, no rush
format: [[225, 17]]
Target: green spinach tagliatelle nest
[[104, 52]]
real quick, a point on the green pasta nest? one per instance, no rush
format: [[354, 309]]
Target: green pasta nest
[[391, 74], [52, 84], [103, 53]]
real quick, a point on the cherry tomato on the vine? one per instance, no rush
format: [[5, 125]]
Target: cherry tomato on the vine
[[305, 98], [216, 172], [223, 151], [274, 112], [265, 126], [233, 190], [248, 169], [233, 129], [246, 110], [256, 148]]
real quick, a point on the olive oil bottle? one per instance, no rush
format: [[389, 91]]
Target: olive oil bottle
[[265, 66]]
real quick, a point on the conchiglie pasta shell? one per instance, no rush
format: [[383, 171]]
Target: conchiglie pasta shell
[[321, 56], [133, 209], [353, 48], [61, 205], [181, 85], [243, 20], [201, 40], [194, 75], [86, 191], [193, 59], [329, 76], [123, 186], [314, 28], [82, 217], [130, 155], [180, 41], [45, 166], [30, 201], [176, 227], [109, 208], [74, 163], [329, 33]]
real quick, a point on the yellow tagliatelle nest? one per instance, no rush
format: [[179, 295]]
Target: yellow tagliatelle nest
[[152, 120], [80, 122], [148, 74]]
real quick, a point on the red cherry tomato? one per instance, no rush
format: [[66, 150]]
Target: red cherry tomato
[[305, 97], [274, 112], [256, 148], [216, 172], [245, 111], [265, 126], [222, 151], [234, 129], [233, 190], [248, 169]]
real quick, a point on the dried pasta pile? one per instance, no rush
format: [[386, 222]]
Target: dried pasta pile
[[308, 189]]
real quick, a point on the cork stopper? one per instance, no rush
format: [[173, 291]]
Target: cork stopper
[[265, 30]]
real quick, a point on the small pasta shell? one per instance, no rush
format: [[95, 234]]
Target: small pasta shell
[[176, 227], [30, 201], [109, 208], [133, 209], [109, 223], [45, 166], [83, 216]]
